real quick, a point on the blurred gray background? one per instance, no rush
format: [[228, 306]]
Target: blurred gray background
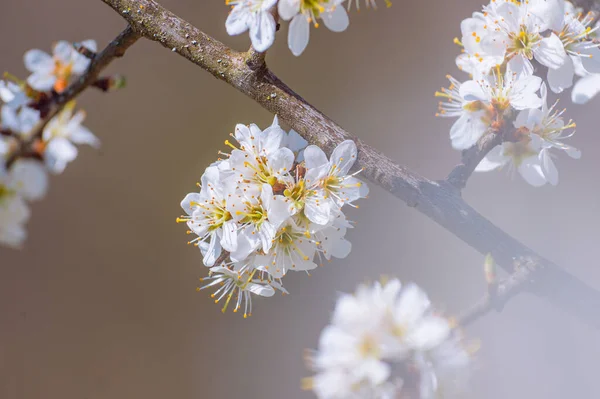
[[101, 303]]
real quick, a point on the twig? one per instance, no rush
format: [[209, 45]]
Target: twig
[[113, 50], [518, 282], [471, 158], [438, 201]]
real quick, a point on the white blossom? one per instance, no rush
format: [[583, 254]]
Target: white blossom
[[481, 104], [255, 16], [330, 184], [302, 13], [273, 205], [60, 135], [538, 131], [208, 218], [56, 71]]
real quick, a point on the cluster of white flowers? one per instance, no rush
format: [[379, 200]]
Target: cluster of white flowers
[[504, 95], [24, 105], [273, 205], [386, 341], [257, 17]]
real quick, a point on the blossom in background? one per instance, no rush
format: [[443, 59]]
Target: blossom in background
[[378, 338], [19, 121], [60, 135], [26, 180], [254, 16], [56, 71], [302, 13], [273, 205]]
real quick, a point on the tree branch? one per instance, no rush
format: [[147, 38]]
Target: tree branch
[[470, 158], [100, 61], [437, 200]]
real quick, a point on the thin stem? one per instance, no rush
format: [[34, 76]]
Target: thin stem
[[500, 293]]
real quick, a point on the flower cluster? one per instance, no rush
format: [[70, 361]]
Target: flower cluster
[[30, 144], [385, 341], [271, 206], [505, 96], [256, 16]]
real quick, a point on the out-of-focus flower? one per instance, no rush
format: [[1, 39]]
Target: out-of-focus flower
[[19, 121], [25, 180], [58, 70], [60, 135], [378, 338]]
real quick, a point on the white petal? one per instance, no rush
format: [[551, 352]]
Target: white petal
[[314, 157], [229, 238], [38, 61], [29, 179], [411, 305], [343, 157], [591, 59], [83, 135], [493, 160], [561, 78], [287, 9], [186, 203], [64, 51], [336, 20], [42, 81], [262, 31], [429, 333], [551, 52], [298, 34], [472, 91], [585, 89], [261, 289], [548, 167], [520, 65], [281, 160], [531, 170], [467, 129], [341, 249], [58, 154], [238, 20], [212, 251]]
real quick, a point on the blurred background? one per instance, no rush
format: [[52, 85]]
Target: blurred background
[[101, 303]]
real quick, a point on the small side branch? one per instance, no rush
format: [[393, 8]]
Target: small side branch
[[56, 103], [499, 293]]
